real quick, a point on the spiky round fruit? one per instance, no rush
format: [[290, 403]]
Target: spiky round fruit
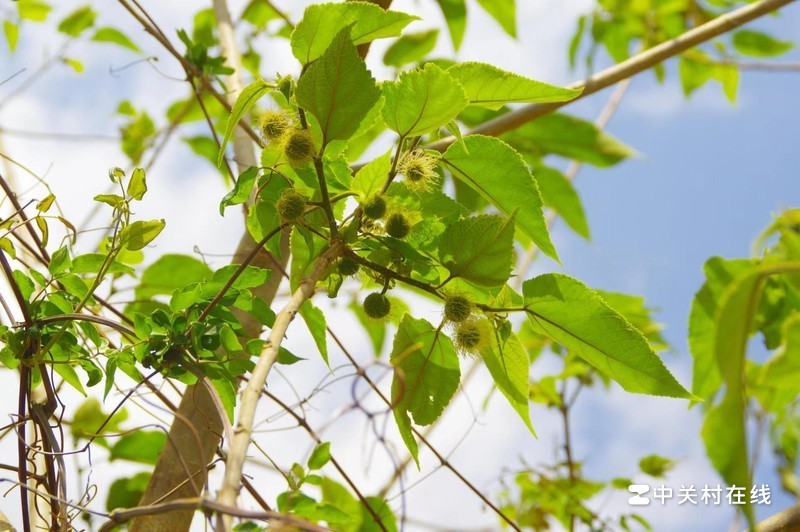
[[374, 207], [419, 169], [347, 266], [291, 206], [398, 225], [274, 124], [298, 147], [377, 306], [471, 336], [457, 308]]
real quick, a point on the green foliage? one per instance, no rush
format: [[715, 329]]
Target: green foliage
[[491, 87], [338, 89], [479, 249], [571, 314], [246, 99], [410, 48], [495, 171], [114, 36], [422, 100], [322, 22], [757, 44], [426, 376]]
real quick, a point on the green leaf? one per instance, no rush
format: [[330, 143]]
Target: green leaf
[[169, 273], [89, 417], [241, 190], [573, 315], [655, 465], [426, 376], [559, 194], [315, 321], [35, 10], [78, 21], [322, 22], [46, 203], [569, 137], [410, 48], [320, 456], [60, 261], [371, 177], [249, 96], [338, 89], [479, 249], [114, 36], [127, 492], [497, 172], [783, 370], [719, 273], [137, 186], [633, 309], [422, 100], [509, 364], [693, 74], [491, 87], [227, 395], [142, 446], [138, 234], [733, 323], [70, 376], [455, 14], [74, 64], [206, 147], [12, 34], [757, 44], [504, 12]]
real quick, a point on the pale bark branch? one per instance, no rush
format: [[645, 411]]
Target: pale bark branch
[[629, 67], [243, 429], [785, 521]]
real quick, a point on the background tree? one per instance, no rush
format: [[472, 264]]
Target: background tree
[[439, 233]]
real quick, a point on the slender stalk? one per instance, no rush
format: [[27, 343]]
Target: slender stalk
[[243, 428]]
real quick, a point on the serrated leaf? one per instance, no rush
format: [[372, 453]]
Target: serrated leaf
[[498, 173], [114, 36], [479, 249], [426, 377], [410, 48], [249, 96], [138, 234], [509, 365], [338, 89], [758, 44], [573, 315], [321, 22], [491, 87], [422, 100], [169, 273]]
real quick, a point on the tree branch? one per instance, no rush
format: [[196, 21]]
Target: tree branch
[[630, 67], [247, 406], [785, 521]]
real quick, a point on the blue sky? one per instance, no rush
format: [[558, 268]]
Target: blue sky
[[709, 176]]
